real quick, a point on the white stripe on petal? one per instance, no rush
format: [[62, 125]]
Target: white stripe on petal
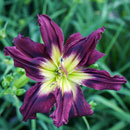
[[78, 76]]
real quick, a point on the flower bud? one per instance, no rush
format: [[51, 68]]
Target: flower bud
[[5, 84], [2, 34], [93, 104], [20, 92]]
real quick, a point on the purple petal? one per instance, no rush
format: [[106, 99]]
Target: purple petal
[[51, 33], [31, 65], [63, 105], [80, 107], [35, 103], [102, 80], [93, 57], [84, 47], [72, 38], [29, 47]]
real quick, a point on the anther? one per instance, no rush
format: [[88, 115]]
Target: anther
[[61, 59]]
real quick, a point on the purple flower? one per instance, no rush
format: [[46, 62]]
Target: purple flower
[[60, 70]]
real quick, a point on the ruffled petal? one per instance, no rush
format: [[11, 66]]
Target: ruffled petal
[[63, 105], [79, 106], [29, 47], [52, 36], [31, 65], [100, 79], [71, 40], [81, 49], [37, 101], [93, 57]]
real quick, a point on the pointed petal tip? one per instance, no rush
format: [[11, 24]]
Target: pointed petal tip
[[7, 50], [29, 47], [103, 80], [39, 19], [36, 101], [42, 17], [18, 37], [90, 113], [121, 78], [59, 124], [38, 15], [63, 105], [25, 119], [52, 34], [94, 56], [103, 28], [98, 33], [125, 80]]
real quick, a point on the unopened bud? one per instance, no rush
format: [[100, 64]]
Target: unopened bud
[[2, 34], [93, 104], [20, 92]]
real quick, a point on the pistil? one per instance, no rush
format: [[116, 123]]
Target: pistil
[[63, 67]]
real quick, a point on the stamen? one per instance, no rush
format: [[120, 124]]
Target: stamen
[[64, 69], [61, 69], [61, 59], [54, 83]]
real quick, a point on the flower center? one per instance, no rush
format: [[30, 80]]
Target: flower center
[[61, 70]]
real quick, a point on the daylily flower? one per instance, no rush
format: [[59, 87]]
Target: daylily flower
[[60, 70]]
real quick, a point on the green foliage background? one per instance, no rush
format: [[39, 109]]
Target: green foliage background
[[112, 110]]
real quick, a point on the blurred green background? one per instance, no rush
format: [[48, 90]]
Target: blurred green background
[[112, 109]]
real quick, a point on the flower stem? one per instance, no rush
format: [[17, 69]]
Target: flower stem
[[86, 123], [33, 122]]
